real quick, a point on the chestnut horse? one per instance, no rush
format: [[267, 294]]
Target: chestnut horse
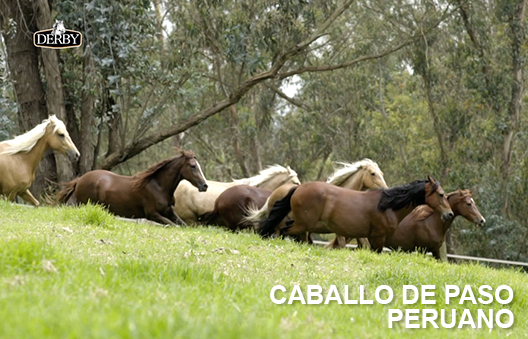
[[423, 229], [323, 208], [231, 205], [20, 156], [190, 205], [360, 175], [148, 194]]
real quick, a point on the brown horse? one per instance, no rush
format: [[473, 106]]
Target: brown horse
[[423, 229], [20, 157], [148, 194], [323, 208], [360, 176], [231, 206]]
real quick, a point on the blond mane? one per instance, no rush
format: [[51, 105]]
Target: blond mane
[[266, 174], [343, 173], [25, 142]]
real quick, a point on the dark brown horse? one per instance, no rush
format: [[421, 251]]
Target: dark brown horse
[[148, 194], [231, 206], [323, 208], [423, 229]]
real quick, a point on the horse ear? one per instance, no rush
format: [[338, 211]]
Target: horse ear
[[430, 178]]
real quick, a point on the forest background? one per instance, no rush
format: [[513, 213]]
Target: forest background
[[421, 87]]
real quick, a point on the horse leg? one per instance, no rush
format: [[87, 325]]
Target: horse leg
[[377, 243], [27, 196], [441, 253], [174, 217], [363, 243], [337, 242], [157, 217]]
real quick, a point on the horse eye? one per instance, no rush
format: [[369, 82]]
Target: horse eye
[[441, 195], [62, 135], [373, 174], [193, 166]]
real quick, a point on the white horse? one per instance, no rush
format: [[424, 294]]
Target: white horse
[[189, 204], [19, 157], [58, 28]]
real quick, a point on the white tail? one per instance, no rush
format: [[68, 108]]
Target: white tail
[[254, 215]]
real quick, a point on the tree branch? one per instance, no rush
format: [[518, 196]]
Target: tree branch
[[292, 101], [136, 147]]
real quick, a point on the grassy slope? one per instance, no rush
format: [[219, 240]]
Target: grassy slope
[[79, 273]]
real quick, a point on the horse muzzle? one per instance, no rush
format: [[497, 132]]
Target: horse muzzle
[[202, 187], [447, 216], [480, 221], [73, 155]]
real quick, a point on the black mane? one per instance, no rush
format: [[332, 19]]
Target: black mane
[[399, 197]]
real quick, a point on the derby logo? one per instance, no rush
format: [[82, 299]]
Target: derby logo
[[58, 37]]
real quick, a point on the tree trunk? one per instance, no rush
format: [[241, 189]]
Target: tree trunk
[[54, 92], [22, 59], [517, 89], [235, 134], [87, 113]]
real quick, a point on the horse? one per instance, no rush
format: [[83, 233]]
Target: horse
[[58, 28], [360, 175], [320, 207], [190, 204], [423, 229], [148, 194], [231, 206], [19, 157]]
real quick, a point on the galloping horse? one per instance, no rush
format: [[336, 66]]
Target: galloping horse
[[148, 194], [231, 206], [323, 208], [20, 156], [425, 229], [190, 204], [360, 175]]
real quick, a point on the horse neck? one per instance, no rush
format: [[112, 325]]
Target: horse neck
[[354, 182], [272, 183], [170, 176], [402, 213], [456, 212], [34, 156]]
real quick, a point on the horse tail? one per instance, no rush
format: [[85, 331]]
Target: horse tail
[[64, 194], [278, 212], [253, 214]]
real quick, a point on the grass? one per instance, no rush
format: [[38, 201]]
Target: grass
[[80, 273]]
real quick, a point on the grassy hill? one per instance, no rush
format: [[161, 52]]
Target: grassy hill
[[80, 273]]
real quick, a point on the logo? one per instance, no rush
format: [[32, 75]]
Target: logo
[[57, 37]]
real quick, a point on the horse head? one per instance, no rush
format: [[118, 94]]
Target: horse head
[[373, 177], [59, 139], [436, 199], [462, 203], [192, 172]]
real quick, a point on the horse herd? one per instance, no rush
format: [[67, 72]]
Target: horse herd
[[355, 202]]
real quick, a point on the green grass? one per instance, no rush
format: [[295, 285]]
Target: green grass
[[80, 273]]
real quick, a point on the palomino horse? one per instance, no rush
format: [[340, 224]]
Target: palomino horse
[[360, 175], [425, 230], [323, 208], [231, 206], [20, 157], [148, 194], [190, 204]]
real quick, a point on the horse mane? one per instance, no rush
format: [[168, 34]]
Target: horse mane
[[266, 174], [25, 142], [349, 169], [143, 178], [399, 197]]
